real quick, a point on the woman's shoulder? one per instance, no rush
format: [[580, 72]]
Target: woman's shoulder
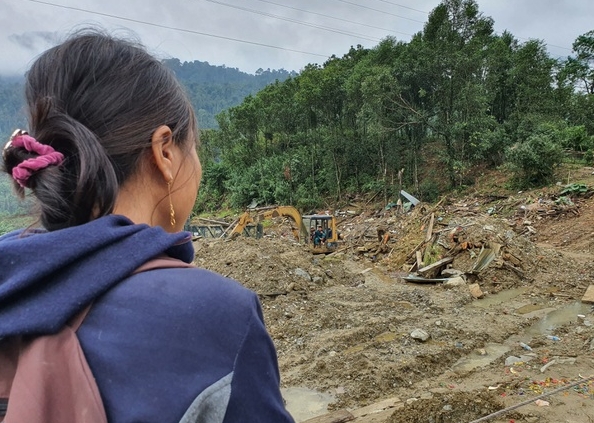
[[185, 285], [190, 303]]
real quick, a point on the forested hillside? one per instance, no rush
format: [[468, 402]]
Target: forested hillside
[[424, 115], [212, 89]]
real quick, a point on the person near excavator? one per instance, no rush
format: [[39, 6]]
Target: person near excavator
[[319, 236], [111, 160]]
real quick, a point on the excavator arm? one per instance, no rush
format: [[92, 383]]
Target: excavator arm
[[246, 218]]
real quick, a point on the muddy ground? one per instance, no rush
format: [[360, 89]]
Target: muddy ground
[[342, 323]]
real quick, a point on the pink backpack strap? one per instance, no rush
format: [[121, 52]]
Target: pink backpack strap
[[48, 379], [52, 381], [162, 262]]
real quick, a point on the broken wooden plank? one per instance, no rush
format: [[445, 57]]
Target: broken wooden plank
[[340, 250], [419, 259], [232, 225], [390, 403], [340, 416], [429, 270], [514, 269], [430, 228], [589, 295], [216, 222], [381, 417]]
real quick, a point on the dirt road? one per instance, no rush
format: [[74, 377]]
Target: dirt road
[[350, 332]]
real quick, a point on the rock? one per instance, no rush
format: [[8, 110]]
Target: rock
[[302, 273], [455, 281], [475, 290], [411, 400], [589, 295], [317, 280], [511, 360], [420, 335]]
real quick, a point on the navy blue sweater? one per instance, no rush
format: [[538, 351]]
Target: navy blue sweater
[[165, 345]]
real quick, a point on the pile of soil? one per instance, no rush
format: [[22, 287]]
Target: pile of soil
[[343, 323]]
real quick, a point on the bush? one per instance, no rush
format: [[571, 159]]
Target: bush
[[533, 162], [492, 146], [589, 156], [429, 190], [212, 193], [576, 138]]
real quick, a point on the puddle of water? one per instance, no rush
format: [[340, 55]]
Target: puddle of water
[[557, 318], [385, 337], [381, 338], [404, 304], [356, 348], [500, 297], [530, 308], [304, 403], [544, 326], [474, 360]]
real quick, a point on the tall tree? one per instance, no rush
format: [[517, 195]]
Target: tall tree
[[581, 67], [457, 36]]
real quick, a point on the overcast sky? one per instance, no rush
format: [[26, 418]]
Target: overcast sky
[[276, 33]]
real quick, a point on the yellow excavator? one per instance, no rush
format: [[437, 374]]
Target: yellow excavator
[[318, 230]]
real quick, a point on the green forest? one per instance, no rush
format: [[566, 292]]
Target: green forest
[[424, 115]]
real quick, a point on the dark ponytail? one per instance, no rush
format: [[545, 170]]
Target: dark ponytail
[[97, 100]]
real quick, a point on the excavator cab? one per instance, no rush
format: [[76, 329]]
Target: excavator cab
[[323, 236]]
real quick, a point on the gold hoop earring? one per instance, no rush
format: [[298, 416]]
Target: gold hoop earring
[[171, 211]]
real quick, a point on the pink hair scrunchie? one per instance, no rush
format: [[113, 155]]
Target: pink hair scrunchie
[[47, 156]]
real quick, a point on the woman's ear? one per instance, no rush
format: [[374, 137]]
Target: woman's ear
[[163, 153]]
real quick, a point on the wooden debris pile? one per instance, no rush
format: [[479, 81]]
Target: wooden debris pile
[[464, 239]]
